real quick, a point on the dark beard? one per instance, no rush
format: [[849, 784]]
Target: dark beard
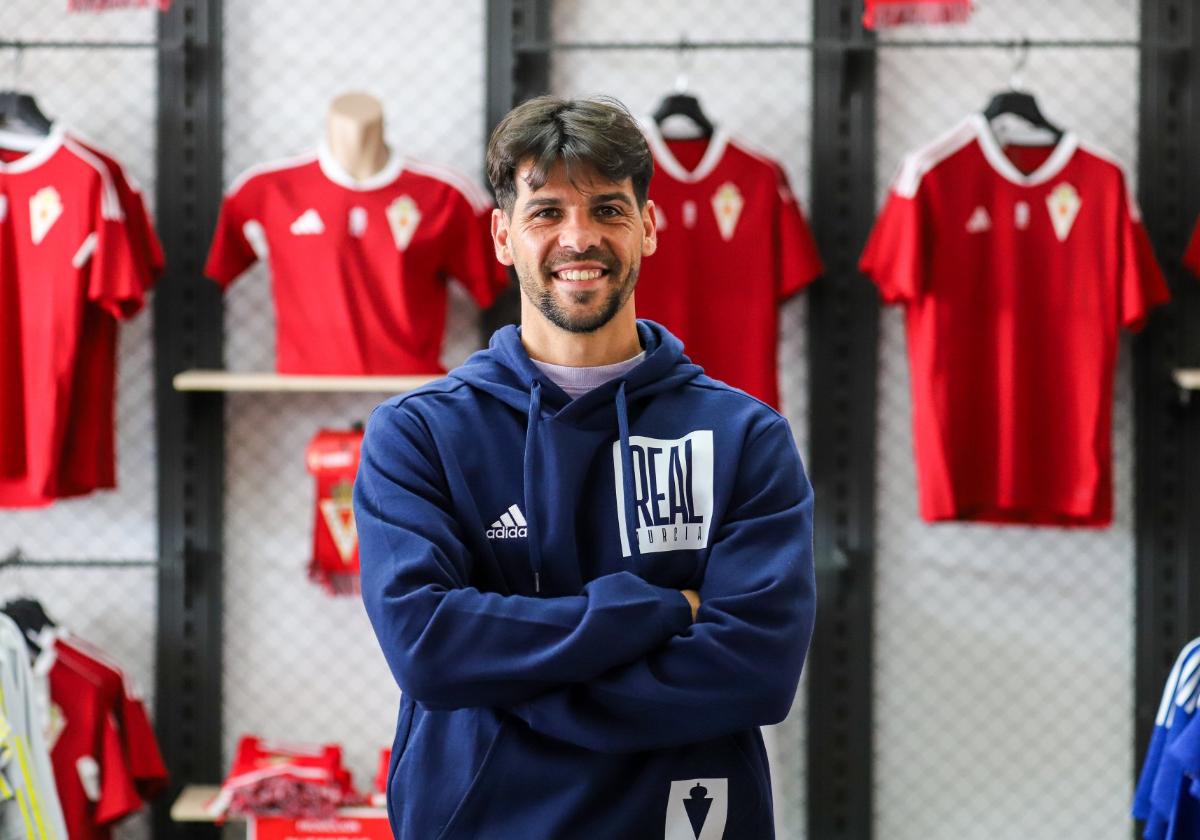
[[542, 297]]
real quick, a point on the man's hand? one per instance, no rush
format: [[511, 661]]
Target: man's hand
[[694, 599]]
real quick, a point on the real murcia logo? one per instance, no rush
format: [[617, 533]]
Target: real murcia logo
[[673, 492], [510, 526], [55, 725], [403, 217], [44, 209], [308, 223], [338, 513], [357, 222], [697, 809], [1064, 204], [727, 203], [1021, 215], [980, 221]]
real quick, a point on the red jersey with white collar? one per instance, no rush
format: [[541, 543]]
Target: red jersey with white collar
[[358, 268], [1017, 268], [90, 770], [731, 239], [73, 266]]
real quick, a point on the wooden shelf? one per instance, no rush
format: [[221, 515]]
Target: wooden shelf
[[224, 380], [1188, 378], [192, 806]]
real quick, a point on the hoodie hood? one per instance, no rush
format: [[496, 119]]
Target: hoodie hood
[[505, 371]]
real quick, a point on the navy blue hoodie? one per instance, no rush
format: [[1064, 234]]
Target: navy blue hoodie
[[522, 555]]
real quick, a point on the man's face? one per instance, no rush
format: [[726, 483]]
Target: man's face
[[577, 248]]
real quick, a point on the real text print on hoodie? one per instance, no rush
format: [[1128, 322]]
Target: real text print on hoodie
[[522, 556]]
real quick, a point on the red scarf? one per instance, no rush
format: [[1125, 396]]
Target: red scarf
[[884, 13], [332, 458]]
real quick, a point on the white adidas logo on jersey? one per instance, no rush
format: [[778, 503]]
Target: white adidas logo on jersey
[[980, 221], [510, 526], [308, 223]]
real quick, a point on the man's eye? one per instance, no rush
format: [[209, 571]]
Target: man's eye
[[608, 210], [547, 213]]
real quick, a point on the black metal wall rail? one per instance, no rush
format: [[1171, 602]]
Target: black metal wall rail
[[188, 333], [1168, 432]]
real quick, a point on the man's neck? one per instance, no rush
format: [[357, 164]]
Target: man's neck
[[615, 342]]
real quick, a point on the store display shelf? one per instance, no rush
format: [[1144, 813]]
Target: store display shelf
[[192, 806], [1188, 378], [225, 380]]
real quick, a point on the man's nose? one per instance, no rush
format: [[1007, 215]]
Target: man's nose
[[579, 232]]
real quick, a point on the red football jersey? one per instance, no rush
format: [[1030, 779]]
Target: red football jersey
[[332, 458], [74, 270], [731, 237], [358, 268], [1017, 267], [138, 741], [90, 772]]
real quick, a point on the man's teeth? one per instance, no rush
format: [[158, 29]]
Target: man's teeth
[[590, 274]]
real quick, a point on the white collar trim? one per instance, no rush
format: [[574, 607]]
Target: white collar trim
[[40, 149], [336, 173], [671, 165], [1051, 166]]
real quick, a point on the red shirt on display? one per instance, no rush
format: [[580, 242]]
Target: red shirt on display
[[731, 238], [90, 770], [358, 268], [1017, 268], [138, 742], [75, 270]]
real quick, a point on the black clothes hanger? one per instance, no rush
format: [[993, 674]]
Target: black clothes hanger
[[20, 112], [1018, 102], [1021, 104], [31, 617], [684, 105]]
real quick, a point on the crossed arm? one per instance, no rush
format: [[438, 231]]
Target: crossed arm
[[624, 665]]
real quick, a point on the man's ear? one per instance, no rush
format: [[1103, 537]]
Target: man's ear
[[500, 236], [649, 229]]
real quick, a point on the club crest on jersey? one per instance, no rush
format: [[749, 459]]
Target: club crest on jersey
[[673, 492], [44, 209], [697, 809], [727, 204], [338, 515], [403, 217], [1064, 204]]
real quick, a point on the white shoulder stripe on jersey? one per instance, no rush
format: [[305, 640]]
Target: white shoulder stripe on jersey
[[1166, 706], [479, 200], [1135, 210], [110, 201], [270, 166], [85, 251], [917, 163]]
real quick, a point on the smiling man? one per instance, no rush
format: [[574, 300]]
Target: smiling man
[[589, 566]]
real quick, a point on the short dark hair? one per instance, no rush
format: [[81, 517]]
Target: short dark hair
[[598, 134]]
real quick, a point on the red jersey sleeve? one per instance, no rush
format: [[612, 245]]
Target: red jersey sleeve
[[1191, 257], [1142, 286], [115, 280], [896, 256], [118, 797], [470, 257], [233, 249], [797, 260], [141, 748]]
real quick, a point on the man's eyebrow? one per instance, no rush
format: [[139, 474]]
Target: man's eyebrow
[[604, 198], [542, 202]]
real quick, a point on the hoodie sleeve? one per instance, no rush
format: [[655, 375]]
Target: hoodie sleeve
[[739, 665], [449, 645]]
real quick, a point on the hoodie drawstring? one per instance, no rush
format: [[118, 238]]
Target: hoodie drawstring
[[531, 436], [627, 475]]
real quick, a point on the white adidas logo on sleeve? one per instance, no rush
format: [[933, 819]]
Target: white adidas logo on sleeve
[[510, 526]]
